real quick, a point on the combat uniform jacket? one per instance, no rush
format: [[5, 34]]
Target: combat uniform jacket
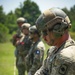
[[17, 36], [35, 56], [59, 61], [23, 48]]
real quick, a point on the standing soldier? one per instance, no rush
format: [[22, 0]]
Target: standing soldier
[[55, 24], [18, 35], [35, 57], [23, 48]]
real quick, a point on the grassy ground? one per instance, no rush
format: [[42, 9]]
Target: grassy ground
[[7, 57]]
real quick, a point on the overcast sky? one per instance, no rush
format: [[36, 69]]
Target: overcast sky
[[9, 5]]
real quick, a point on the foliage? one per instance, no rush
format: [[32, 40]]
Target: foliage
[[11, 22], [3, 33], [2, 15], [18, 12], [72, 35], [28, 10], [71, 14]]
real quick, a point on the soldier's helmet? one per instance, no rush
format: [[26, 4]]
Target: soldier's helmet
[[25, 25], [54, 19], [21, 19], [33, 30]]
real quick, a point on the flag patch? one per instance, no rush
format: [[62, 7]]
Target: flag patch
[[37, 52]]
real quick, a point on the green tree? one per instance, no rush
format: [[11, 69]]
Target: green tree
[[11, 22], [72, 17], [71, 14], [2, 15], [28, 10], [3, 33], [18, 12], [31, 10]]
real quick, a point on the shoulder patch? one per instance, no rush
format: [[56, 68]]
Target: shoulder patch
[[63, 69], [37, 52]]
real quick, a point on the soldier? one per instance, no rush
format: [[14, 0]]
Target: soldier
[[54, 24], [23, 49], [18, 35], [35, 57]]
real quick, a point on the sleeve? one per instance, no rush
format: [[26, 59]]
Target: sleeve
[[28, 59], [66, 61], [40, 71], [37, 59], [27, 62], [14, 39], [43, 69]]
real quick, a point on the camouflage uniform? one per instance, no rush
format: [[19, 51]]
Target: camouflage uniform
[[23, 49], [35, 57], [61, 56], [16, 38], [60, 61], [18, 34]]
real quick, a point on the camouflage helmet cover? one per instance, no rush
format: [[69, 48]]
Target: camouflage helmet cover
[[33, 30], [21, 19], [51, 17], [25, 25]]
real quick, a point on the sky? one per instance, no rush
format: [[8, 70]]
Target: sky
[[9, 5]]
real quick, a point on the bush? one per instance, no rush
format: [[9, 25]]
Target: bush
[[72, 35], [3, 33]]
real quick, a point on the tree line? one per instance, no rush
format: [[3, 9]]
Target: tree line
[[30, 11]]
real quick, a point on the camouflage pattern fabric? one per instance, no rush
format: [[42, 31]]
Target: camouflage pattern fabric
[[17, 37], [23, 49], [34, 59], [59, 61]]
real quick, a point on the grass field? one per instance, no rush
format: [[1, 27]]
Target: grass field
[[7, 57]]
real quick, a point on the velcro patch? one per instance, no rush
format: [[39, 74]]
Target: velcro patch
[[37, 52]]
